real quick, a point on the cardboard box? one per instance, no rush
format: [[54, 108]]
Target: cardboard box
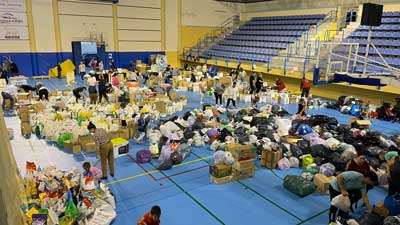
[[38, 107], [322, 183], [220, 170], [113, 134], [76, 149], [26, 128], [68, 145], [241, 152], [124, 133], [221, 180], [238, 165], [269, 159], [381, 210], [55, 93], [161, 107], [24, 96], [243, 173], [24, 114], [83, 140], [173, 96], [66, 92], [91, 147]]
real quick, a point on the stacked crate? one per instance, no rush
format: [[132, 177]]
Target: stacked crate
[[244, 156]]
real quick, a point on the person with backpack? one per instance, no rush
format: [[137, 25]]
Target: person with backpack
[[218, 91], [78, 93], [103, 141], [305, 86], [346, 183], [393, 172]]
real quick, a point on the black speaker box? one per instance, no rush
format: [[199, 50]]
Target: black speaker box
[[372, 14]]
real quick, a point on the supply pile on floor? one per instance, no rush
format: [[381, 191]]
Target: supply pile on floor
[[66, 197]]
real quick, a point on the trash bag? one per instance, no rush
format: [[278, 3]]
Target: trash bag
[[392, 203], [165, 165], [184, 150], [304, 129], [392, 220], [294, 162], [296, 150], [154, 149], [71, 209], [332, 143], [176, 158], [370, 219], [165, 153], [219, 157], [298, 185], [143, 156], [319, 151], [284, 164], [341, 202], [62, 138], [327, 169]]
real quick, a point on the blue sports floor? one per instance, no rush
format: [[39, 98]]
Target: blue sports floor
[[186, 194]]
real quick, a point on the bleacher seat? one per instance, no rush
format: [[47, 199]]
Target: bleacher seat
[[263, 37]]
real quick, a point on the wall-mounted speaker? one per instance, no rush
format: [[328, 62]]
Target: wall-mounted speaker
[[372, 14]]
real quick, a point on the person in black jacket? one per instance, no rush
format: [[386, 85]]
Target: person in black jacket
[[102, 89], [27, 88], [59, 69], [259, 83], [14, 69], [78, 92], [251, 81]]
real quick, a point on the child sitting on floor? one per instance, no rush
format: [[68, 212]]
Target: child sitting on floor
[[91, 171], [152, 217]]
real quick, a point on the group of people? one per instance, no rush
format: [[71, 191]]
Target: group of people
[[10, 93], [8, 69]]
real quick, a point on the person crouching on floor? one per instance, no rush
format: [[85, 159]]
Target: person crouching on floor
[[91, 171], [142, 122], [152, 217]]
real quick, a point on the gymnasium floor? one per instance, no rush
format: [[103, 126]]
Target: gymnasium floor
[[185, 193]]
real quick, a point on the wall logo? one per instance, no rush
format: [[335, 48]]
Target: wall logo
[[12, 34], [9, 18]]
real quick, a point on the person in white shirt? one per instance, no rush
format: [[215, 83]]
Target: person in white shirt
[[101, 66], [82, 69], [92, 83], [232, 93], [10, 92], [242, 74], [123, 114]]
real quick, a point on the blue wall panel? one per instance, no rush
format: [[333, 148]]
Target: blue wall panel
[[46, 60], [39, 63]]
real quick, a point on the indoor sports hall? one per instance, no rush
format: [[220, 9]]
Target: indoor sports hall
[[186, 112]]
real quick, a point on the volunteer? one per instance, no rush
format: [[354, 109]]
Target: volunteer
[[10, 92], [305, 87], [59, 70], [393, 172], [82, 69], [242, 74], [259, 83], [251, 81], [92, 83], [102, 140], [346, 183], [218, 91], [203, 89], [280, 85], [102, 89], [42, 91], [27, 88], [302, 107], [232, 93], [101, 66], [78, 93], [204, 70]]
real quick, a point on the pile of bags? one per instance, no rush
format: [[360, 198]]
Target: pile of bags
[[66, 197]]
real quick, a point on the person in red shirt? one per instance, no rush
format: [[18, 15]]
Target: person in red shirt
[[280, 85], [305, 86], [152, 217]]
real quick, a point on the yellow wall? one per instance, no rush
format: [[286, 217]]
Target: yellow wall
[[249, 15], [191, 34], [172, 58]]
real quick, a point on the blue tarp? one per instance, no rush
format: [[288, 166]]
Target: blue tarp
[[355, 80]]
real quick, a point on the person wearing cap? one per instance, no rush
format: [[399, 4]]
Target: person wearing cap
[[103, 141], [393, 172]]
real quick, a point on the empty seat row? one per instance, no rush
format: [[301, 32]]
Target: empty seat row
[[254, 44], [383, 27], [296, 17], [219, 54], [274, 27], [377, 34], [268, 33], [244, 49], [260, 38], [362, 50], [391, 14], [377, 42], [283, 22], [391, 20]]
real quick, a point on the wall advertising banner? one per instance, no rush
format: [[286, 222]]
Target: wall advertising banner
[[12, 6]]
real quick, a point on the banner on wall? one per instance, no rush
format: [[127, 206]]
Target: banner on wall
[[13, 19], [12, 6], [13, 33]]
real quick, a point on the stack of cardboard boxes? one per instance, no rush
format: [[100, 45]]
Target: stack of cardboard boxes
[[244, 155], [322, 183], [24, 116], [270, 158], [221, 173]]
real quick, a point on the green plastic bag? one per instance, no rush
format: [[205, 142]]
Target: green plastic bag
[[229, 128], [67, 220], [310, 170], [62, 138], [298, 185], [72, 210], [308, 160]]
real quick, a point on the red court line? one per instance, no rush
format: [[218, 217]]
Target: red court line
[[144, 169], [186, 171]]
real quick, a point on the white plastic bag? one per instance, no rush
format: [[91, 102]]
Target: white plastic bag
[[341, 202], [332, 143], [294, 162]]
